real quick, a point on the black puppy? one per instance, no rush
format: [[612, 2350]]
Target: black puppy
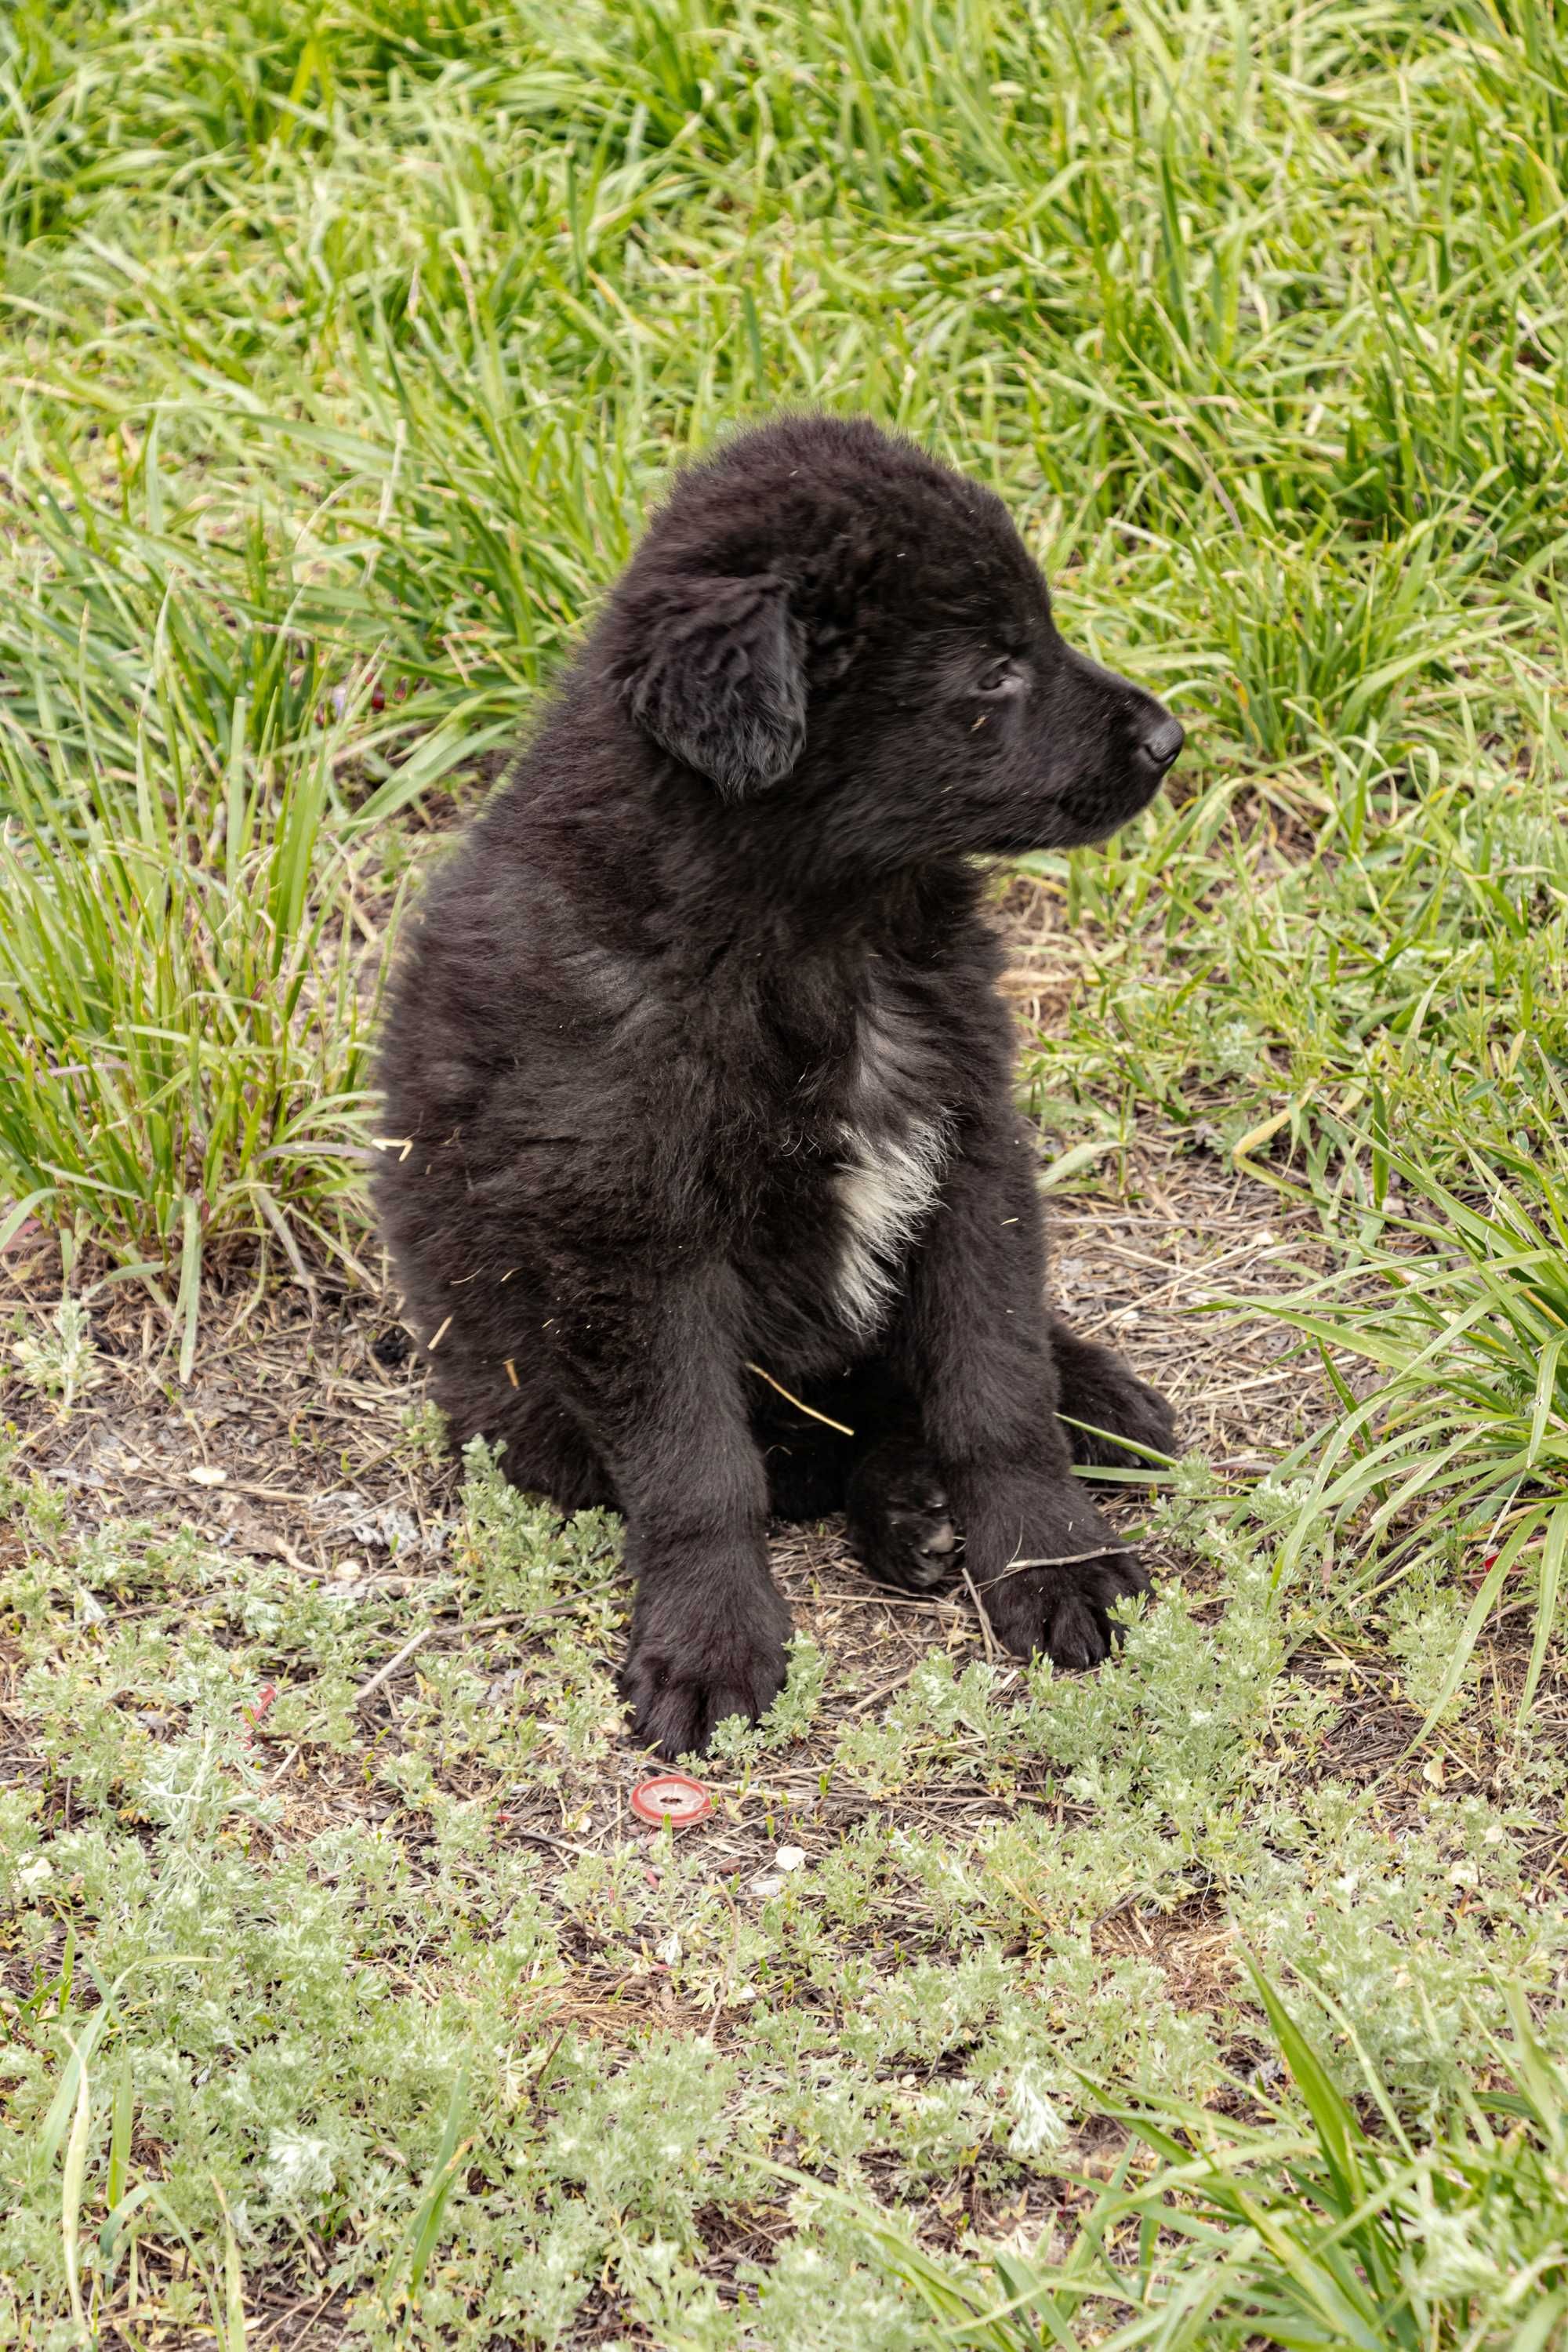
[[706, 1083]]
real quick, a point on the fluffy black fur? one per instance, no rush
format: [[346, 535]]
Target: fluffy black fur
[[696, 1046]]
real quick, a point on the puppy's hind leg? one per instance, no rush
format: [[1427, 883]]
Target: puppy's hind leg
[[1101, 1400], [899, 1523], [857, 1450], [542, 1446], [897, 1506]]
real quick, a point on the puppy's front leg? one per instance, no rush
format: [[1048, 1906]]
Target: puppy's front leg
[[658, 1381], [975, 1345]]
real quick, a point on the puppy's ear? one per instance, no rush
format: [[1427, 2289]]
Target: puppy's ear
[[717, 676]]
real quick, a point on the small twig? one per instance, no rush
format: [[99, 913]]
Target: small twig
[[1058, 1560], [536, 2089], [275, 2322], [173, 1475], [286, 1552], [987, 1635], [884, 1597], [826, 1419], [398, 1658], [558, 1845], [872, 1698]]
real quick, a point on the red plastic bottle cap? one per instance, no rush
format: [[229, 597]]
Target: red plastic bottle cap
[[671, 1797]]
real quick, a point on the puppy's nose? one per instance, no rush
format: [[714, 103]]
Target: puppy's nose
[[1161, 743]]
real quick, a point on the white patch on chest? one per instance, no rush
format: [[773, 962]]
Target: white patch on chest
[[885, 1189], [889, 1179]]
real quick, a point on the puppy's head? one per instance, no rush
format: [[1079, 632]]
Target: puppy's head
[[823, 613]]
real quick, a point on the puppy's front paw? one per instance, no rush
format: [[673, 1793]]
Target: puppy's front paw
[[1060, 1606], [1063, 1612], [690, 1664]]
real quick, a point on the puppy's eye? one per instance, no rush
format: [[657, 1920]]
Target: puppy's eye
[[1000, 678]]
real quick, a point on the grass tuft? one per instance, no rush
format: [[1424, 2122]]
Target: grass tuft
[[1309, 2229], [183, 1040], [1460, 1451]]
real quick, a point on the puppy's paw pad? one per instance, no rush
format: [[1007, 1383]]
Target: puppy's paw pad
[[902, 1527], [921, 1531]]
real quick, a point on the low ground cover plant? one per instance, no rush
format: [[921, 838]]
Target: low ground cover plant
[[361, 2015]]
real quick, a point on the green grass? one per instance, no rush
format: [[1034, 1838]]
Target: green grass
[[343, 348], [349, 346]]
